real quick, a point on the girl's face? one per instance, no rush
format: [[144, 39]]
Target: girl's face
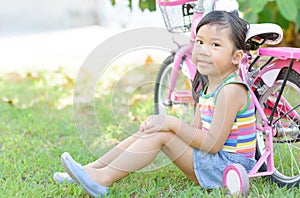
[[214, 53]]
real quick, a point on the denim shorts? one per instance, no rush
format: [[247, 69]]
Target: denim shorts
[[209, 168]]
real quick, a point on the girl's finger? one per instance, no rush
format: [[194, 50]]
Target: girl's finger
[[152, 129]]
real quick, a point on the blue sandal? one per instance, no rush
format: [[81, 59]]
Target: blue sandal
[[77, 173]]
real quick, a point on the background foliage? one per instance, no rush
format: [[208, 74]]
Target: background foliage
[[285, 13], [143, 4]]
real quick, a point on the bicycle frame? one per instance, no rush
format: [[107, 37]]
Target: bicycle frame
[[286, 58], [183, 57]]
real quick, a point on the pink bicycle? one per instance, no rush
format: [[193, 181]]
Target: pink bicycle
[[273, 76]]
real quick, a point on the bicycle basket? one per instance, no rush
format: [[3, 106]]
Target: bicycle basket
[[177, 14]]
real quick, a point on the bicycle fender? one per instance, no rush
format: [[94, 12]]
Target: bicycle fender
[[187, 66], [189, 69], [270, 73]]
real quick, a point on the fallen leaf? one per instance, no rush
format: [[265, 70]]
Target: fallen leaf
[[8, 101], [32, 75], [69, 79]]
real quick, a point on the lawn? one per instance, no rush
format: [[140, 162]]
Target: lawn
[[37, 126]]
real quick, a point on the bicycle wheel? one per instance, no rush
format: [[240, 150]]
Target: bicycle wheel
[[236, 180], [286, 144], [182, 110]]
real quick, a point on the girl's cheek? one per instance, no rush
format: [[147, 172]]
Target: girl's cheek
[[194, 54]]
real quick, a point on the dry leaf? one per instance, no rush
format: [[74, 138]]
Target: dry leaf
[[32, 75], [8, 101], [69, 79]]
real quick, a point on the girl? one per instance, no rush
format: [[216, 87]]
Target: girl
[[222, 132]]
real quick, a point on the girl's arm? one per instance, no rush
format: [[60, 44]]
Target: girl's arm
[[196, 122], [231, 99]]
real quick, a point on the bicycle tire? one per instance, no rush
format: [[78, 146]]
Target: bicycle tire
[[283, 164], [183, 111]]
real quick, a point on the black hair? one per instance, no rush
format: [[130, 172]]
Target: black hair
[[237, 33], [237, 26]]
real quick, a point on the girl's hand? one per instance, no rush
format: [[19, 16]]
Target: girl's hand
[[155, 123]]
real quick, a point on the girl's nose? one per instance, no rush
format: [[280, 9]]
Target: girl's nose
[[203, 50]]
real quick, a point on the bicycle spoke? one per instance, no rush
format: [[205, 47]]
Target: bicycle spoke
[[286, 145], [284, 151], [296, 147], [293, 160], [280, 157]]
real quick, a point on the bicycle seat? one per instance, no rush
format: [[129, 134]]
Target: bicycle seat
[[267, 33]]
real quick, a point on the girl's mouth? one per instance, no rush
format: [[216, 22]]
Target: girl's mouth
[[204, 63]]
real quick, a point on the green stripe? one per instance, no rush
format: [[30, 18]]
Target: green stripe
[[248, 93], [206, 96]]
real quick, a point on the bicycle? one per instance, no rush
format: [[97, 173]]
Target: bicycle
[[273, 76]]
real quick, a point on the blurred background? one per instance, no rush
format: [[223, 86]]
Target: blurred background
[[38, 15], [46, 34]]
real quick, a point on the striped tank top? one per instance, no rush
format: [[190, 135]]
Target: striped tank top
[[242, 137]]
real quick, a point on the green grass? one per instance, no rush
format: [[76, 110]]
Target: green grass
[[37, 126]]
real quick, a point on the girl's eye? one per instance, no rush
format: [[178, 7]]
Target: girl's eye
[[216, 45], [199, 42]]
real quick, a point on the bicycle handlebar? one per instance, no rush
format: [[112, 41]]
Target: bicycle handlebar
[[199, 7]]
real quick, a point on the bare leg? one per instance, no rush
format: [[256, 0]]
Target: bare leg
[[140, 153], [112, 154]]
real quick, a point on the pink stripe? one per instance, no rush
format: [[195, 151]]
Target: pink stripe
[[206, 114], [173, 3], [232, 137], [204, 129], [245, 132], [251, 106]]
